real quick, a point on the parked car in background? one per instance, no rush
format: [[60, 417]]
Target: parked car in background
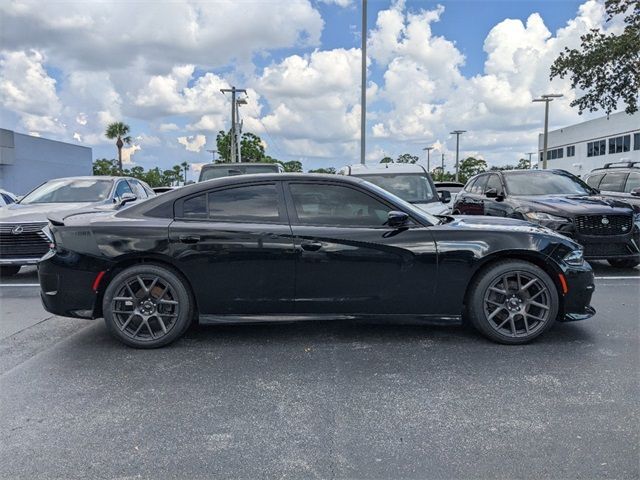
[[7, 198], [218, 170], [607, 229], [410, 182], [294, 246], [452, 187], [23, 236], [620, 181]]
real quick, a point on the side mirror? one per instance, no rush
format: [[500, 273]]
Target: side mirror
[[636, 192], [126, 198], [397, 219], [445, 196]]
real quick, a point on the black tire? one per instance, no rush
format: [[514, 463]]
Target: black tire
[[623, 262], [9, 270], [516, 316], [147, 306]]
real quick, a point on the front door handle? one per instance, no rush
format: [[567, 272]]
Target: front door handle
[[311, 246], [189, 238]]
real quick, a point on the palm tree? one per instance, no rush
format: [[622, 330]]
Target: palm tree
[[177, 173], [120, 131], [185, 165]]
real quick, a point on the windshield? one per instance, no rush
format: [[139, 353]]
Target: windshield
[[70, 191], [209, 173], [411, 187], [545, 183], [405, 206]]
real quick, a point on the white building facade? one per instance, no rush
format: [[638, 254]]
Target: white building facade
[[584, 146]]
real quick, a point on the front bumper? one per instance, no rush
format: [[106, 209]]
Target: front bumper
[[604, 247], [580, 288]]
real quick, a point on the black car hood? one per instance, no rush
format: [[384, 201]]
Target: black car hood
[[564, 205]]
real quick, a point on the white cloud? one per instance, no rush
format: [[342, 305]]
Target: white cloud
[[168, 127], [193, 143], [339, 3], [128, 152]]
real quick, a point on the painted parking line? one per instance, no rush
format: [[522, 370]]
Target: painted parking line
[[19, 284], [617, 278]]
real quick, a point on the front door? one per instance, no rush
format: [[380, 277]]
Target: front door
[[236, 249], [349, 262]]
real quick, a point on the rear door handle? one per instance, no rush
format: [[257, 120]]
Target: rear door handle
[[311, 246], [189, 238]]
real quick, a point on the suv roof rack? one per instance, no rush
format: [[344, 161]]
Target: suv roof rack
[[623, 164]]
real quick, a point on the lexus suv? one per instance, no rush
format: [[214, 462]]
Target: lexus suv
[[23, 236], [608, 229]]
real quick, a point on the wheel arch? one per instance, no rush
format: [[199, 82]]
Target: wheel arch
[[127, 262]]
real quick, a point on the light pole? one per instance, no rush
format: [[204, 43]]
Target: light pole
[[546, 99], [428, 149], [234, 110], [457, 133], [363, 86], [530, 153], [213, 155], [442, 171]]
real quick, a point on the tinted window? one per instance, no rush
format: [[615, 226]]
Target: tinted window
[[613, 182], [67, 191], [469, 185], [255, 203], [195, 207], [222, 170], [337, 205], [122, 188], [413, 188], [633, 181], [594, 180], [478, 185], [545, 183], [494, 182]]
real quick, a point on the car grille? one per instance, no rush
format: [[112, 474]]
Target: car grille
[[603, 224], [605, 249], [31, 242]]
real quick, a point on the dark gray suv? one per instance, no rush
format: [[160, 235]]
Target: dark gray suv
[[620, 181]]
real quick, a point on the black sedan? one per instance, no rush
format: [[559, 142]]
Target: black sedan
[[282, 247], [607, 229]]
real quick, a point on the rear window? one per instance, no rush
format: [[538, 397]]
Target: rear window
[[594, 180], [633, 182]]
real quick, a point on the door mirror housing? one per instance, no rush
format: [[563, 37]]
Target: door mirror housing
[[397, 219], [636, 192], [126, 198], [445, 196]]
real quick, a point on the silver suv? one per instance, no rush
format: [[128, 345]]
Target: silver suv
[[620, 181]]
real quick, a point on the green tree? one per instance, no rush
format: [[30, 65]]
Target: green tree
[[120, 132], [292, 166], [523, 164], [386, 160], [102, 166], [407, 158], [330, 170], [471, 166], [185, 166], [439, 175], [606, 68], [251, 147], [177, 174]]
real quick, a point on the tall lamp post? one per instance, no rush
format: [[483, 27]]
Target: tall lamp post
[[363, 85], [428, 149], [530, 164], [213, 155], [457, 133], [546, 99], [442, 171]]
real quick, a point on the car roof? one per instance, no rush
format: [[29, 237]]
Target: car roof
[[229, 164], [382, 168]]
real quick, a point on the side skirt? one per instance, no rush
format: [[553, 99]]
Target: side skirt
[[283, 318]]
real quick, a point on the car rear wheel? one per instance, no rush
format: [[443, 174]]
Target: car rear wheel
[[9, 270], [623, 262], [147, 306], [513, 302]]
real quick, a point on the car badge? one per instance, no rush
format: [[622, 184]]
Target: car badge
[[17, 230], [605, 221]]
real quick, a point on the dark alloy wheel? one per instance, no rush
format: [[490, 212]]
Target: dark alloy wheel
[[513, 302], [623, 262], [9, 270], [147, 306]]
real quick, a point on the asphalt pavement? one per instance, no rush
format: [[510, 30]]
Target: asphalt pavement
[[320, 399]]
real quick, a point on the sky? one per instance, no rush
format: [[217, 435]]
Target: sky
[[68, 69]]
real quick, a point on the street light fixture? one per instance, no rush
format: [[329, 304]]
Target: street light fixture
[[457, 133], [428, 149], [213, 154], [546, 99]]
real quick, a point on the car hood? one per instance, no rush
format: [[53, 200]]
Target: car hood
[[500, 224], [574, 205], [434, 208], [38, 212]]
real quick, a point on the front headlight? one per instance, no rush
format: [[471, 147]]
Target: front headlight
[[574, 258], [541, 217]]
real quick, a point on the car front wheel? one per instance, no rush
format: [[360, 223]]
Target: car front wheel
[[147, 306], [513, 302], [623, 262]]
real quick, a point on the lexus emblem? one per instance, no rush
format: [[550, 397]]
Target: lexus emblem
[[17, 230], [605, 221]]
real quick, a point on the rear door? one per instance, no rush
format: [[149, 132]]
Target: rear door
[[474, 198], [235, 246], [349, 262]]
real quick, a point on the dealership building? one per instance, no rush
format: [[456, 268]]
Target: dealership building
[[584, 146], [27, 161]]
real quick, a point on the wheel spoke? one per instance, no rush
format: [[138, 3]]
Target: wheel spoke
[[505, 283], [513, 326], [528, 285], [162, 325], [494, 302], [142, 322], [534, 317], [539, 305], [497, 290], [503, 323], [133, 295], [150, 329], [526, 324], [141, 282], [495, 312], [123, 299], [168, 302], [124, 325], [536, 295]]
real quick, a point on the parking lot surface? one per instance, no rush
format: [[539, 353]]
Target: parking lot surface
[[320, 399]]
